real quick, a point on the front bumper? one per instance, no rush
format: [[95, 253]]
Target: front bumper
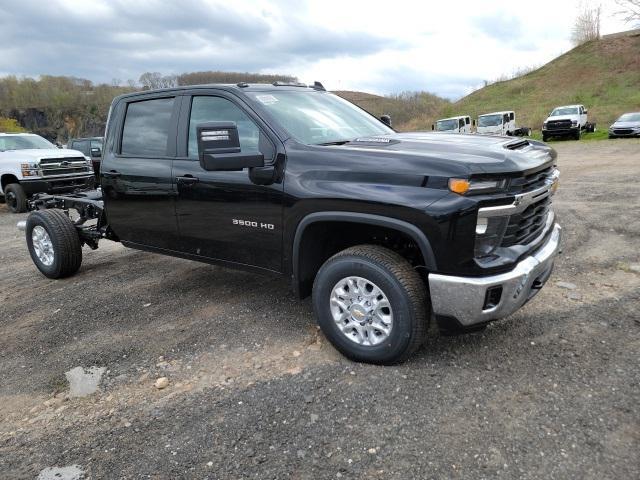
[[60, 184], [560, 132], [465, 299]]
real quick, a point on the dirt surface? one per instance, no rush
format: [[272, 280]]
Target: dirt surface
[[254, 391]]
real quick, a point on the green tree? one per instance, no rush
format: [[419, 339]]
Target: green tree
[[10, 125]]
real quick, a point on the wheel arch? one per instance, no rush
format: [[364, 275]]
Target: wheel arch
[[304, 266], [6, 179]]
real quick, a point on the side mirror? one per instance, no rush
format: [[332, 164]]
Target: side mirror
[[219, 148], [96, 152], [586, 111], [433, 127], [386, 119], [473, 123]]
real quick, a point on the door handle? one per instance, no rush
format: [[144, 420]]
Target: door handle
[[187, 180], [111, 174]]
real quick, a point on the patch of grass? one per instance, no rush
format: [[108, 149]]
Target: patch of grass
[[600, 134]]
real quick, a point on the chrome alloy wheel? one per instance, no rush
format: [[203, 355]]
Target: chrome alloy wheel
[[42, 245], [361, 311]]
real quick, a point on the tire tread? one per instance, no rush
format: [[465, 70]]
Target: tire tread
[[65, 238], [410, 281]]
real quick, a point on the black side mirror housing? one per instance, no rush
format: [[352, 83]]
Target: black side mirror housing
[[433, 127], [219, 148], [386, 119]]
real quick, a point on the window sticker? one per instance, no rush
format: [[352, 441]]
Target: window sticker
[[266, 99]]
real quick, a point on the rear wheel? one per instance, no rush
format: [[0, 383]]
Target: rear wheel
[[53, 242], [15, 198], [371, 305]]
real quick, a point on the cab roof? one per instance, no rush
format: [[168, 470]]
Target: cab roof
[[496, 113], [236, 87], [452, 118]]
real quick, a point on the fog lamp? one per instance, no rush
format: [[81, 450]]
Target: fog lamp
[[489, 234]]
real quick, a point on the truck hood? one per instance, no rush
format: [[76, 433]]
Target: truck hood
[[563, 117], [35, 154], [451, 153], [625, 125]]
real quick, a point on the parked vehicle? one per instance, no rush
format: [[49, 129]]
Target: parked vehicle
[[461, 124], [91, 148], [567, 121], [500, 123], [30, 164], [628, 125], [383, 229]]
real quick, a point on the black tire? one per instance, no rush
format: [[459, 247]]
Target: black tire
[[67, 248], [544, 137], [578, 134], [15, 198], [401, 284]]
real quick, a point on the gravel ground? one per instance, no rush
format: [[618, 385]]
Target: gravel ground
[[254, 391]]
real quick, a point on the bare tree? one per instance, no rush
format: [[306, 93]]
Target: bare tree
[[153, 80], [587, 25], [630, 12]]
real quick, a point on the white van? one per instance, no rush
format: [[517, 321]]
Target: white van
[[461, 124]]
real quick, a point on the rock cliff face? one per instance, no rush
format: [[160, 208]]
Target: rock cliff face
[[59, 126]]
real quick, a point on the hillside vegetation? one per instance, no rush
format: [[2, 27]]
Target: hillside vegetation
[[60, 108], [604, 75], [403, 108]]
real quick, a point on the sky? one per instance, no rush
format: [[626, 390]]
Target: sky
[[446, 47]]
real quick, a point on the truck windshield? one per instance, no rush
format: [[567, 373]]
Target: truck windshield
[[564, 111], [316, 118], [23, 142], [446, 125], [490, 120]]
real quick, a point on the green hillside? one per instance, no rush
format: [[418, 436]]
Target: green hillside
[[604, 75], [404, 107]]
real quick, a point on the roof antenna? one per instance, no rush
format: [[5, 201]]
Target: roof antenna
[[319, 86]]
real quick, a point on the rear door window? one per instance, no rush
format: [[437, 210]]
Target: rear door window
[[146, 127]]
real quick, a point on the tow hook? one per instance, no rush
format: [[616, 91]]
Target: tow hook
[[22, 225]]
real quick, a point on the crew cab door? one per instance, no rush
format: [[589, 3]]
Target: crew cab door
[[229, 216], [135, 175]]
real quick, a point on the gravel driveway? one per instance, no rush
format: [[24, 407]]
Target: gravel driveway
[[254, 391]]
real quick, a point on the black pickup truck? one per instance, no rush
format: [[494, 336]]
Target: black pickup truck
[[385, 230]]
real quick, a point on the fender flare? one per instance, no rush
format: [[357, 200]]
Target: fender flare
[[405, 227]]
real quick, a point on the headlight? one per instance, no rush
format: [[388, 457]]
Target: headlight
[[489, 234], [544, 125], [29, 169], [574, 123], [461, 186]]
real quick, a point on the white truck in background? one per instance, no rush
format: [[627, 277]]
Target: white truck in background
[[500, 123], [460, 124], [567, 121]]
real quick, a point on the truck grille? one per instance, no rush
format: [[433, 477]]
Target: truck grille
[[623, 131], [530, 182], [63, 166], [527, 225], [558, 124]]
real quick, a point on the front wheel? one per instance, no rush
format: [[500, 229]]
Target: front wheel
[[53, 242], [15, 198], [371, 305], [578, 134]]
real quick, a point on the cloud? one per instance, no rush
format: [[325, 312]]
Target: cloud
[[368, 45]]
